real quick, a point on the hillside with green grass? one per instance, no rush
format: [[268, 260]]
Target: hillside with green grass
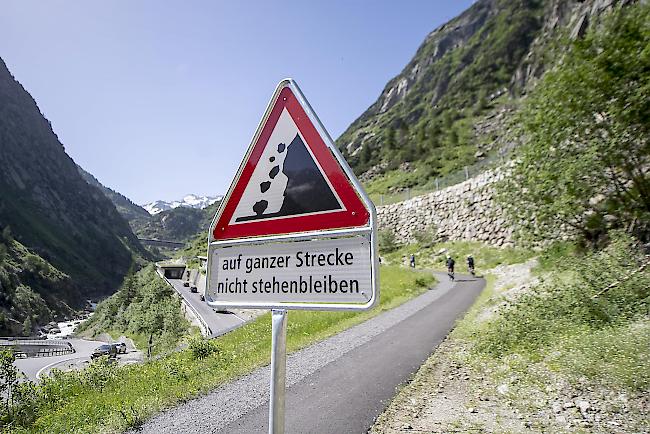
[[32, 292], [145, 306]]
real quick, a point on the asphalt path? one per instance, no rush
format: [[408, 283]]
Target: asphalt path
[[339, 385]]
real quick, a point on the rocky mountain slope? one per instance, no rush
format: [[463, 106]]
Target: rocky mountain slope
[[448, 108], [132, 212], [172, 221], [53, 213], [177, 224]]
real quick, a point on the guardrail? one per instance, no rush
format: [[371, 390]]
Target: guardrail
[[37, 347], [205, 329]]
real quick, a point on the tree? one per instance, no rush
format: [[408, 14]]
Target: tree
[[27, 326], [387, 241], [8, 379], [481, 101], [390, 141], [585, 161]]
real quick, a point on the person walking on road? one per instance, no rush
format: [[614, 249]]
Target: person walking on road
[[470, 265], [450, 267], [412, 260]]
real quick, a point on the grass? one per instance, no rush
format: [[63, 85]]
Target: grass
[[556, 336], [136, 392], [434, 256]]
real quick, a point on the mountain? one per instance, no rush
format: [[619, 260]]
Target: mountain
[[57, 226], [189, 201], [129, 210], [177, 224], [450, 105], [178, 221]]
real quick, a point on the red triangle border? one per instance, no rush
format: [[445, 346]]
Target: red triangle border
[[355, 214]]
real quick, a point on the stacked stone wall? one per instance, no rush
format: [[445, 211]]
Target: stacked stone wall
[[464, 212]]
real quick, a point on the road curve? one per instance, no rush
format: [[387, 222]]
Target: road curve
[[218, 322], [339, 385]]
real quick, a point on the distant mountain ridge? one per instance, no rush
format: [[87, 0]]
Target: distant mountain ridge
[[188, 201], [178, 221], [129, 210]]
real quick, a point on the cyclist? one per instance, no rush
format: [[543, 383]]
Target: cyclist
[[450, 267], [470, 264]]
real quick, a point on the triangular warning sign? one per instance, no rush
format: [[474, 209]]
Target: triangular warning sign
[[292, 178]]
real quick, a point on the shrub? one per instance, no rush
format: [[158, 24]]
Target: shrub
[[602, 289], [423, 281], [202, 348], [387, 242], [99, 373], [427, 237]]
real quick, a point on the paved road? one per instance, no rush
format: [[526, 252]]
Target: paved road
[[34, 365], [219, 322], [339, 385]]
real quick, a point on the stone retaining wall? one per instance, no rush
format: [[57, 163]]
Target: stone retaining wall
[[462, 212]]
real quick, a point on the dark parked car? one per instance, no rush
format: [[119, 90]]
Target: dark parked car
[[186, 284], [105, 350], [121, 347], [193, 289]]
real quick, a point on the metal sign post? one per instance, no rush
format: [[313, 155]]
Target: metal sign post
[[294, 231], [278, 370]]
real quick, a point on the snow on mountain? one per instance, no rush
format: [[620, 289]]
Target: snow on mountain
[[189, 201]]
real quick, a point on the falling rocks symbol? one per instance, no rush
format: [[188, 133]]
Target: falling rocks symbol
[[307, 191]]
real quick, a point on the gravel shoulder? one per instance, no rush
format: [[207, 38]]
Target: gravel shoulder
[[240, 406], [453, 394]]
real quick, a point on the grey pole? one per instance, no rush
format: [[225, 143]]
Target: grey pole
[[278, 370]]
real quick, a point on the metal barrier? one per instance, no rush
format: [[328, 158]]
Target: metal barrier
[[205, 329], [37, 347]]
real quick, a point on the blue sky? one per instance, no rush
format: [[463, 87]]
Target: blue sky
[[158, 99]]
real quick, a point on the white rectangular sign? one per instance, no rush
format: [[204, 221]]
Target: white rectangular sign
[[331, 270]]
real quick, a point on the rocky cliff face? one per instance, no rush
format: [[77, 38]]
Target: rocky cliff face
[[466, 70], [49, 208], [476, 52]]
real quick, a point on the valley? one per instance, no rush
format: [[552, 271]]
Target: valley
[[517, 135]]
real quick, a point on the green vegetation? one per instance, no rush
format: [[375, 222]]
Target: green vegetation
[[584, 165], [177, 224], [603, 290], [31, 289], [586, 322], [433, 256], [458, 69], [145, 306], [386, 241], [108, 398], [197, 246]]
